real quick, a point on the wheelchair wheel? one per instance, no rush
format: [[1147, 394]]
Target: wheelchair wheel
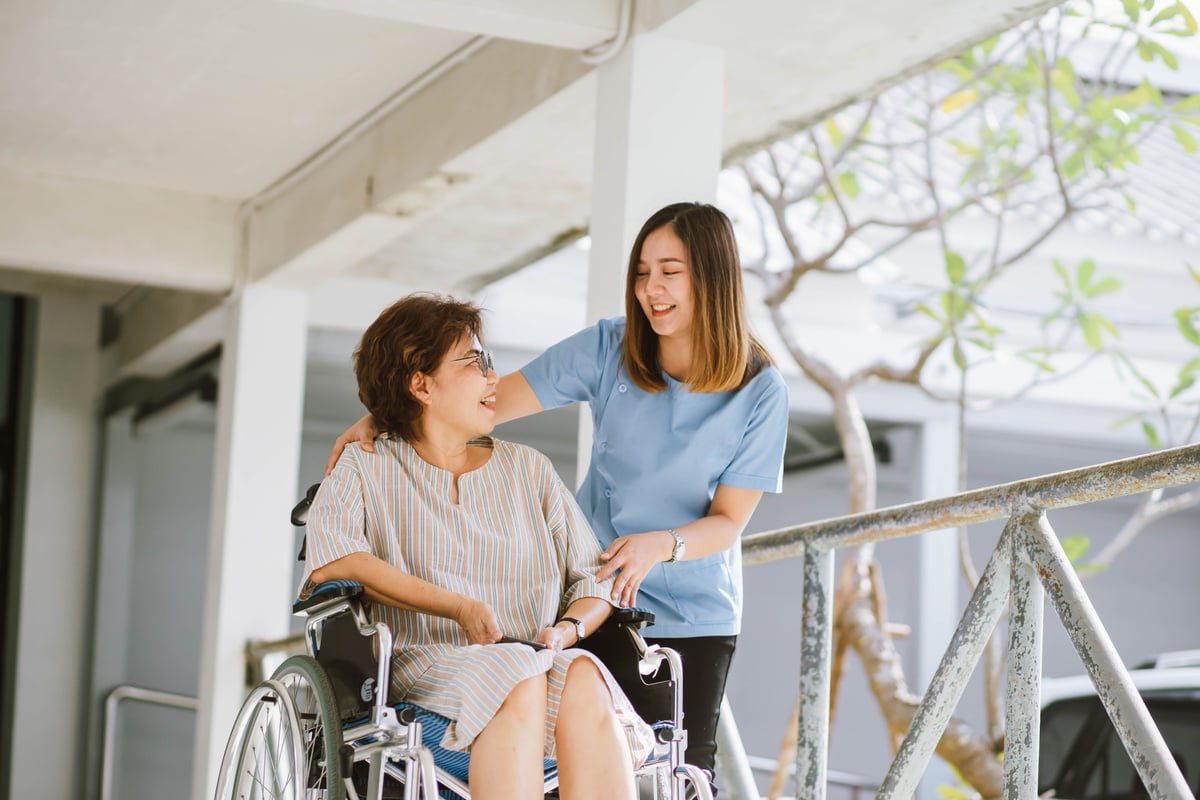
[[265, 752], [285, 742], [312, 695]]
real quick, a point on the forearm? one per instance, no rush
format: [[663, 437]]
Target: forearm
[[386, 584], [515, 398], [703, 537], [720, 529]]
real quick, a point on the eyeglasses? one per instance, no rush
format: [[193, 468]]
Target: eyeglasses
[[482, 359]]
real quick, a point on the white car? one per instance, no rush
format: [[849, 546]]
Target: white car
[[1081, 756]]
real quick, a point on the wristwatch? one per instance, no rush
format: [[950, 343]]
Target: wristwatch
[[580, 631], [680, 546]]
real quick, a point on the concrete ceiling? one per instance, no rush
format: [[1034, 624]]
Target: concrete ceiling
[[157, 155]]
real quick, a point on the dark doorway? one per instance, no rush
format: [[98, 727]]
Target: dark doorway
[[15, 338]]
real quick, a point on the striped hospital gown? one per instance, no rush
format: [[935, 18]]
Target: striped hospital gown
[[515, 540]]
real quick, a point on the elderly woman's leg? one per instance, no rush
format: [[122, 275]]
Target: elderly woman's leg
[[593, 754], [506, 758]]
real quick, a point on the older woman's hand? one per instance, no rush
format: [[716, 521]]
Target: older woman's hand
[[630, 558], [479, 621], [556, 638]]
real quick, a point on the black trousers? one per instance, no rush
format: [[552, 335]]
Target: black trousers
[[706, 662]]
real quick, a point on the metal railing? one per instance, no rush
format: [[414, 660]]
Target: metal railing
[[1027, 562], [108, 739]]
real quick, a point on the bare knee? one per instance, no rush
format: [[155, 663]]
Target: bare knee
[[585, 692], [527, 699]]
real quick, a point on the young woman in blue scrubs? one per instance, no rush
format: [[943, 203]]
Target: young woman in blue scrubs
[[690, 417]]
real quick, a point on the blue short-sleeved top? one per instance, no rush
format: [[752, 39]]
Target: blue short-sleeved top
[[657, 458]]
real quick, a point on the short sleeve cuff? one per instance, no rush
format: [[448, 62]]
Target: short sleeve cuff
[[741, 480]]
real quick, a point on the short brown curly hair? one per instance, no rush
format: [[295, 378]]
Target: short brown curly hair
[[411, 336]]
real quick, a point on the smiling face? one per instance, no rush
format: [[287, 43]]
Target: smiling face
[[457, 395], [663, 284]]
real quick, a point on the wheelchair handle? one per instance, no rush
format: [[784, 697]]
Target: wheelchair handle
[[300, 511]]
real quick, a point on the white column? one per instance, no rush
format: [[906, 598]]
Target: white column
[[55, 565], [659, 105], [114, 577], [249, 587], [938, 607]]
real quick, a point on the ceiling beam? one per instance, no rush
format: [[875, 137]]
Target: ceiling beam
[[69, 227], [574, 25], [473, 101], [376, 184]]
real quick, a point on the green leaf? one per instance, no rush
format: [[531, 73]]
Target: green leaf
[[1185, 139], [929, 312], [1166, 14], [1062, 273], [1188, 19], [836, 137], [1146, 383], [956, 267], [958, 100], [1194, 272], [1132, 9], [849, 184], [1074, 165], [1154, 93], [1075, 547], [1185, 382], [1166, 55], [963, 149], [1144, 50], [1084, 273], [1106, 285], [1185, 319], [957, 69], [1151, 434], [1123, 421], [1092, 334], [960, 358]]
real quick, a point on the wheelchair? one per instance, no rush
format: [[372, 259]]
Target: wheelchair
[[323, 728]]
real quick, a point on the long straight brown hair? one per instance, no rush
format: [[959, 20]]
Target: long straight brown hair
[[725, 355]]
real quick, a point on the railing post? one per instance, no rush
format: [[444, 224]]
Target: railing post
[[1130, 717], [816, 654], [1022, 705], [970, 638]]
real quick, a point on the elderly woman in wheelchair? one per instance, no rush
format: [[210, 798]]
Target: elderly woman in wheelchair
[[473, 554]]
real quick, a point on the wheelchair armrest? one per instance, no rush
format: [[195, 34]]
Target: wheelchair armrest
[[637, 618], [328, 592]]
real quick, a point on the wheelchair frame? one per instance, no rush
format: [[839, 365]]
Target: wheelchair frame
[[280, 748]]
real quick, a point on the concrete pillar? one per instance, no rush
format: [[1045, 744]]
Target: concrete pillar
[[54, 554], [938, 606], [249, 587], [659, 105], [114, 568]]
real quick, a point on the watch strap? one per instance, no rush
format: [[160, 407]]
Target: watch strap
[[678, 550], [580, 630]]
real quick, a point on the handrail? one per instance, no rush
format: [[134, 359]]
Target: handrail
[[1126, 476], [1027, 566], [111, 702]]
